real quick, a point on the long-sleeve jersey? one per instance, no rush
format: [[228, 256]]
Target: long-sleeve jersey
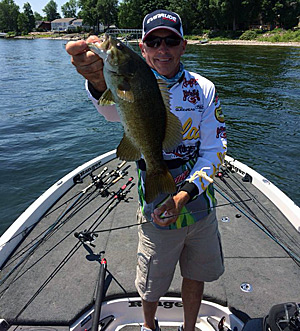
[[195, 102]]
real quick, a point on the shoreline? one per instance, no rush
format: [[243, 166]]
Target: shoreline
[[244, 43], [232, 42]]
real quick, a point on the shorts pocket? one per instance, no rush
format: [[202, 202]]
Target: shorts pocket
[[143, 269]]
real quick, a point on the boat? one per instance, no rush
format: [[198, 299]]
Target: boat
[[68, 262]]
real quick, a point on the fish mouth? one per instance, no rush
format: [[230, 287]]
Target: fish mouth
[[101, 47]]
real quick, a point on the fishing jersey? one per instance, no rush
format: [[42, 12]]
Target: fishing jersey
[[193, 99]]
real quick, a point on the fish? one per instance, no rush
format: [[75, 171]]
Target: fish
[[143, 104]]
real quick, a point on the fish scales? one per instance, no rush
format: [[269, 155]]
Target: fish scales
[[144, 109]]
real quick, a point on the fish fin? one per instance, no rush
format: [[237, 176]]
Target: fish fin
[[173, 132], [157, 183], [106, 98], [163, 86], [124, 91], [127, 151]]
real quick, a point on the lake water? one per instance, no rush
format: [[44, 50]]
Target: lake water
[[48, 126]]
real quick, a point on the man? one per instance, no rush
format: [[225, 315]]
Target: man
[[184, 225]]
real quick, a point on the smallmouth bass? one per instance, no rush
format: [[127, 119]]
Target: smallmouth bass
[[143, 104]]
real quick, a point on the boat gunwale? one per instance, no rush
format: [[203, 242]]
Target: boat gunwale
[[10, 238], [286, 205]]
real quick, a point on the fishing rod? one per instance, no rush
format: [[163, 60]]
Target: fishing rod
[[262, 227], [116, 199], [95, 181], [100, 292], [55, 226], [166, 217], [78, 195], [277, 226]]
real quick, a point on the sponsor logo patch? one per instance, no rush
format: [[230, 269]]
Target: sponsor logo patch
[[219, 114], [191, 96], [221, 132]]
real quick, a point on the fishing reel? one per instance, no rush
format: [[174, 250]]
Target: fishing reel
[[86, 237], [283, 317]]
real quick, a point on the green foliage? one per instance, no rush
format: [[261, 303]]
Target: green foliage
[[51, 11], [224, 19], [9, 13], [94, 12], [249, 35], [280, 35], [30, 19], [129, 14], [37, 16], [108, 10], [223, 34], [69, 9]]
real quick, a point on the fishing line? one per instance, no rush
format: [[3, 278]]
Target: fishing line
[[165, 217], [72, 251], [39, 238], [55, 226], [31, 249], [2, 280], [276, 225], [108, 210], [265, 230], [257, 221]]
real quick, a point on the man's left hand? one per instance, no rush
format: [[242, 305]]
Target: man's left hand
[[168, 212]]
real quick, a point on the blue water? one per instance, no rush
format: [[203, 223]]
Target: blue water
[[48, 126]]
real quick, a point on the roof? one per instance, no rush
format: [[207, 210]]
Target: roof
[[62, 20]]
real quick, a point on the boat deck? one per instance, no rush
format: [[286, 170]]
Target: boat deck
[[55, 283]]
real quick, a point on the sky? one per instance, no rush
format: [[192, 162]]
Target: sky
[[38, 5]]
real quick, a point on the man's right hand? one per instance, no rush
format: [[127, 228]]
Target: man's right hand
[[87, 63]]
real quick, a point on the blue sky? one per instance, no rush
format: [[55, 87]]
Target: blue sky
[[38, 5]]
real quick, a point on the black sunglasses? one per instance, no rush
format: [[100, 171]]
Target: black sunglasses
[[155, 42]]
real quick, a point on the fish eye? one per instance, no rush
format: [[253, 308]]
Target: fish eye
[[119, 46]]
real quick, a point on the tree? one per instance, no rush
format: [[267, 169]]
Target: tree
[[89, 13], [187, 10], [108, 10], [51, 10], [129, 14], [69, 9], [151, 5], [9, 13], [95, 11], [23, 23], [38, 16], [30, 25]]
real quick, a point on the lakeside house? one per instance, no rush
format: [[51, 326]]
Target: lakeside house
[[62, 24], [43, 25], [71, 23]]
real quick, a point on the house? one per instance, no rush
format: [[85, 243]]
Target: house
[[78, 22], [43, 25], [62, 24]]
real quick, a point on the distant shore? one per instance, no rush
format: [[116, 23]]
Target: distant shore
[[192, 42], [244, 43]]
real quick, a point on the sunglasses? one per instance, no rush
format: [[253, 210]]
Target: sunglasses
[[155, 42]]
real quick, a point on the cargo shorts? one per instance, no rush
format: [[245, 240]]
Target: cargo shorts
[[197, 248]]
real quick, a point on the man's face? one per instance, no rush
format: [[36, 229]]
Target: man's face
[[163, 58]]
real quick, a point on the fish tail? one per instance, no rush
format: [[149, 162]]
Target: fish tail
[[157, 182]]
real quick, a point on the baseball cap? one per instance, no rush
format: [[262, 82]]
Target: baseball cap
[[162, 19]]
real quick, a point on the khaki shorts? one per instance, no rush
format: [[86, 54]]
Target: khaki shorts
[[197, 248]]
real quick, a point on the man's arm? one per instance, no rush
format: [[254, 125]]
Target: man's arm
[[90, 66], [87, 63]]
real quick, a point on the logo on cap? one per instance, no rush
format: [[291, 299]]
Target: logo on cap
[[163, 16]]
